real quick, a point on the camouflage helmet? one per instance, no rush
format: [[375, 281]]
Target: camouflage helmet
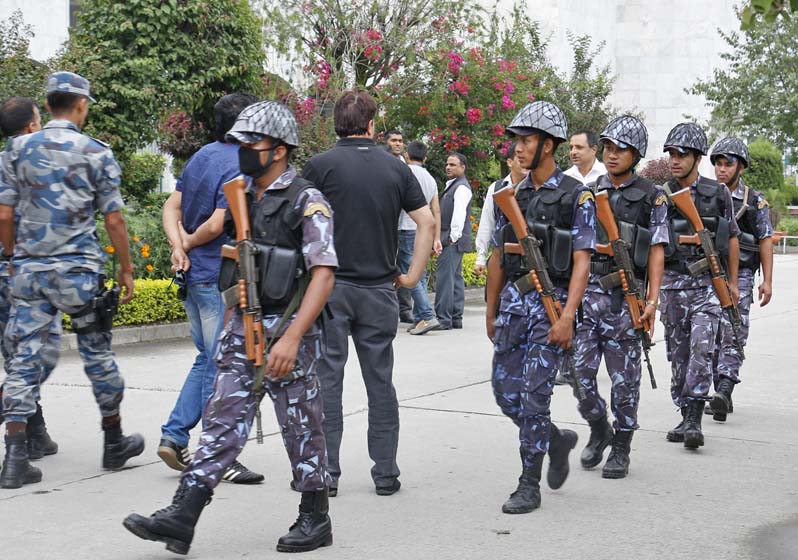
[[540, 115], [627, 131], [732, 149], [687, 136], [262, 119]]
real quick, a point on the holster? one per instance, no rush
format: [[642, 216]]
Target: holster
[[98, 314]]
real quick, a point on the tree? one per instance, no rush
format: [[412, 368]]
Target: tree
[[757, 95], [768, 10], [19, 74], [146, 58]]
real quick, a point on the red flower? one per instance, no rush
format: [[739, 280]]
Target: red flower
[[459, 87], [507, 103], [374, 35], [498, 130], [474, 115]]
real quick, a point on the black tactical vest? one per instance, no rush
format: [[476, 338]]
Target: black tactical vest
[[632, 206], [549, 216], [277, 233], [749, 238], [710, 201]]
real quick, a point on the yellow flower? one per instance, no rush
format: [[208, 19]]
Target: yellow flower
[[149, 268], [136, 238], [145, 247], [110, 249]]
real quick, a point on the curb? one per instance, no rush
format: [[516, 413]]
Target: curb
[[170, 331]]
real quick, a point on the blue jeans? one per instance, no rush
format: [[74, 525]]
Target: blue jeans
[[422, 309], [205, 312]]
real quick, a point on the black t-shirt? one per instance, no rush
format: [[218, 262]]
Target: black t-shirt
[[367, 188]]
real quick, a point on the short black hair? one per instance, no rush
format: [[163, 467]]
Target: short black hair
[[592, 138], [459, 156], [352, 113], [511, 150], [226, 111], [16, 113], [393, 132], [61, 101], [417, 150]]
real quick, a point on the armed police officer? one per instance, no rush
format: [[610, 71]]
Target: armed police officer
[[292, 228], [56, 180], [528, 347], [690, 306], [607, 327], [730, 158]]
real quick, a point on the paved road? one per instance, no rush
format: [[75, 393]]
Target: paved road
[[736, 498]]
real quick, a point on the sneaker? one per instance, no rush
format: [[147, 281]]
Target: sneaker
[[239, 474], [457, 324], [389, 490], [175, 456], [423, 327]]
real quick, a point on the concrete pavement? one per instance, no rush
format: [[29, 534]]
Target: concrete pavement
[[736, 498]]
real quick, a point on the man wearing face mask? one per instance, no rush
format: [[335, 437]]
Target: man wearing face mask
[[193, 217], [606, 329], [730, 158], [292, 222], [690, 308]]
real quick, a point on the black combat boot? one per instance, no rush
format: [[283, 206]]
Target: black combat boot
[[617, 465], [527, 496], [174, 524], [560, 444], [2, 419], [676, 435], [118, 448], [39, 441], [16, 468], [693, 437], [312, 528], [721, 400], [600, 437]]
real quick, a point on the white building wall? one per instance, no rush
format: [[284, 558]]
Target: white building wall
[[49, 19]]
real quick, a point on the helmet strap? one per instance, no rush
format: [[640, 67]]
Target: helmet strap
[[542, 137]]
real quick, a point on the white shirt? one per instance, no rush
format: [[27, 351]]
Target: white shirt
[[487, 223], [462, 199], [429, 188], [592, 176]]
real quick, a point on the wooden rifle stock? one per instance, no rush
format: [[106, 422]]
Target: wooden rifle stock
[[235, 192], [505, 200]]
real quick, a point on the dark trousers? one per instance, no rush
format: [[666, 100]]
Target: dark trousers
[[449, 287], [370, 314]]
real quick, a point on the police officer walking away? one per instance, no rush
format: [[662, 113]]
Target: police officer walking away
[[690, 307], [368, 188], [606, 329], [730, 158], [528, 349], [56, 180], [291, 222]]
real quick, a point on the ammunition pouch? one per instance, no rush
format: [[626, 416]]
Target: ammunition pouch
[[98, 314], [749, 251]]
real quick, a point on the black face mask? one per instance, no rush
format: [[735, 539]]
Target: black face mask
[[249, 161]]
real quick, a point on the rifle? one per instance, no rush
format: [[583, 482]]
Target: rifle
[[619, 249], [538, 278], [711, 261], [244, 252]]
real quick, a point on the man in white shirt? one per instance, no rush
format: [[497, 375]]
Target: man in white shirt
[[487, 220], [423, 317], [583, 147], [455, 205]]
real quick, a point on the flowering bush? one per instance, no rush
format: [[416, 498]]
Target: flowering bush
[[657, 170]]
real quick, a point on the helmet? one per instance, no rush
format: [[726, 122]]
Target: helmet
[[262, 119], [627, 131], [687, 136], [732, 149], [540, 115]]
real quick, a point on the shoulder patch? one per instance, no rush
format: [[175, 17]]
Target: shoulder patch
[[661, 199], [314, 207], [585, 197], [762, 204]]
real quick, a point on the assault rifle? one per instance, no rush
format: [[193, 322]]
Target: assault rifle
[[538, 278], [711, 261], [618, 248]]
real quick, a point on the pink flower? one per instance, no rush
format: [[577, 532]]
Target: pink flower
[[530, 96], [474, 115], [491, 108], [455, 63], [498, 130], [507, 103], [374, 35], [508, 87], [504, 147], [373, 52], [460, 87]]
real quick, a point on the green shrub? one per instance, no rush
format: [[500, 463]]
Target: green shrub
[[142, 175], [154, 301], [470, 278], [767, 169]]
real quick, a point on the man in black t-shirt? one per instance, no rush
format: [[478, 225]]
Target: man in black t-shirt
[[367, 188]]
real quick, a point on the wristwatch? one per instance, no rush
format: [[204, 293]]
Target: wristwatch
[[652, 302]]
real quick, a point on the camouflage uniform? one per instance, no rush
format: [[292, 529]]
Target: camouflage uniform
[[606, 330], [691, 313], [297, 402], [57, 179], [524, 365], [729, 361]]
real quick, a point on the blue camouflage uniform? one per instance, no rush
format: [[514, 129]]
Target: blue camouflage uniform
[[729, 361], [606, 330], [297, 401], [691, 313], [524, 364], [56, 180]]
